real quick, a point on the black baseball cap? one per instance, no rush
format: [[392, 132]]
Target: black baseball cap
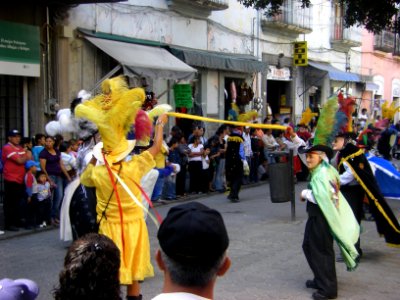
[[193, 233], [13, 132]]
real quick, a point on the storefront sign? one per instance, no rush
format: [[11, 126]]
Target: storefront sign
[[19, 49], [278, 74], [183, 95]]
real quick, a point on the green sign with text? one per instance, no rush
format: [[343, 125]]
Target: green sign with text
[[183, 95], [19, 49]]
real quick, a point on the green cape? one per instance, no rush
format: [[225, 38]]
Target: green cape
[[337, 212]]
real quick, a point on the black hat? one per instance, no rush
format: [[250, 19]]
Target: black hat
[[13, 132], [310, 148], [193, 233]]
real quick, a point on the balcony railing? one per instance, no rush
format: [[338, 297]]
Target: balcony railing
[[198, 8], [385, 41], [343, 38], [293, 18]]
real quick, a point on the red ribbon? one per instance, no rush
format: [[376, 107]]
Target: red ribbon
[[159, 219]]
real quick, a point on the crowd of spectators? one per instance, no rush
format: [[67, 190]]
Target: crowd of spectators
[[193, 164]]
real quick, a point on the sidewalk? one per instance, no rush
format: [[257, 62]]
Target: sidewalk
[[22, 232]]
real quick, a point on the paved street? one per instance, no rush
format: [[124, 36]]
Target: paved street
[[265, 247]]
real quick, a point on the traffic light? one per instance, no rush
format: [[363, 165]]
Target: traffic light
[[300, 54]]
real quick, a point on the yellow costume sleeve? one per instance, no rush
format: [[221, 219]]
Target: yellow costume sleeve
[[87, 176], [140, 165]]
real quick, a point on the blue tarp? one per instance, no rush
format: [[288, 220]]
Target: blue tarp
[[335, 74], [387, 176]]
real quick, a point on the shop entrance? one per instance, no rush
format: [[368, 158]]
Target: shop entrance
[[11, 105], [278, 95]]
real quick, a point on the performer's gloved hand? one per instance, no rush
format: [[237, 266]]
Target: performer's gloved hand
[[306, 194]]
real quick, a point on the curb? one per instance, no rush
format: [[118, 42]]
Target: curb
[[23, 232]]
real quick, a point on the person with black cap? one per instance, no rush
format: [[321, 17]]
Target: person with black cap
[[14, 157], [235, 157], [350, 188], [193, 243], [329, 215], [357, 182]]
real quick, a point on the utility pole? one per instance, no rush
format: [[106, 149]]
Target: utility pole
[[347, 70]]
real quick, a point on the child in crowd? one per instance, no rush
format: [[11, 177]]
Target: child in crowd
[[68, 159], [31, 190], [169, 189], [26, 143], [74, 147], [44, 200], [40, 140], [205, 161]]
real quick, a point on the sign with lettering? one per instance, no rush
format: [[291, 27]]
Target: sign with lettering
[[183, 95], [300, 54], [278, 74], [19, 49]]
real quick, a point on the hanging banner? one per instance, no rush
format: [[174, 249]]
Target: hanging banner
[[183, 95], [19, 49]]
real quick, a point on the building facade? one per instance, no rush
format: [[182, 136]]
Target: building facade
[[381, 66], [218, 49]]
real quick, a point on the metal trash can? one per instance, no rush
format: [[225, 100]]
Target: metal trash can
[[281, 177]]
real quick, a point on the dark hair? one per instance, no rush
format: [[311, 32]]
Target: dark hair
[[221, 129], [91, 270], [58, 139], [172, 141], [196, 126], [64, 146], [39, 173], [191, 275], [26, 140], [38, 137], [50, 137]]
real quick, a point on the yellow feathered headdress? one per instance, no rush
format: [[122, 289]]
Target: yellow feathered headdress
[[388, 111], [113, 111], [307, 116]]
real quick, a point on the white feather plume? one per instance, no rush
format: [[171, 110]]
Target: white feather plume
[[159, 110], [84, 95], [53, 127]]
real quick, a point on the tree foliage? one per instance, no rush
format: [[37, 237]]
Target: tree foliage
[[375, 15]]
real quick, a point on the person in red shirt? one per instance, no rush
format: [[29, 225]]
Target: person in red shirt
[[303, 133], [13, 157]]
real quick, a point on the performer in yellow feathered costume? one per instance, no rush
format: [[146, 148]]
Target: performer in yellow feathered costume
[[118, 215]]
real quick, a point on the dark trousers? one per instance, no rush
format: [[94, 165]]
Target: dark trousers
[[235, 183], [354, 195], [43, 211], [255, 161], [318, 249], [181, 181], [196, 180], [32, 211], [13, 196]]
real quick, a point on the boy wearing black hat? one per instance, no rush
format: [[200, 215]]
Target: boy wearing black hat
[[193, 243]]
